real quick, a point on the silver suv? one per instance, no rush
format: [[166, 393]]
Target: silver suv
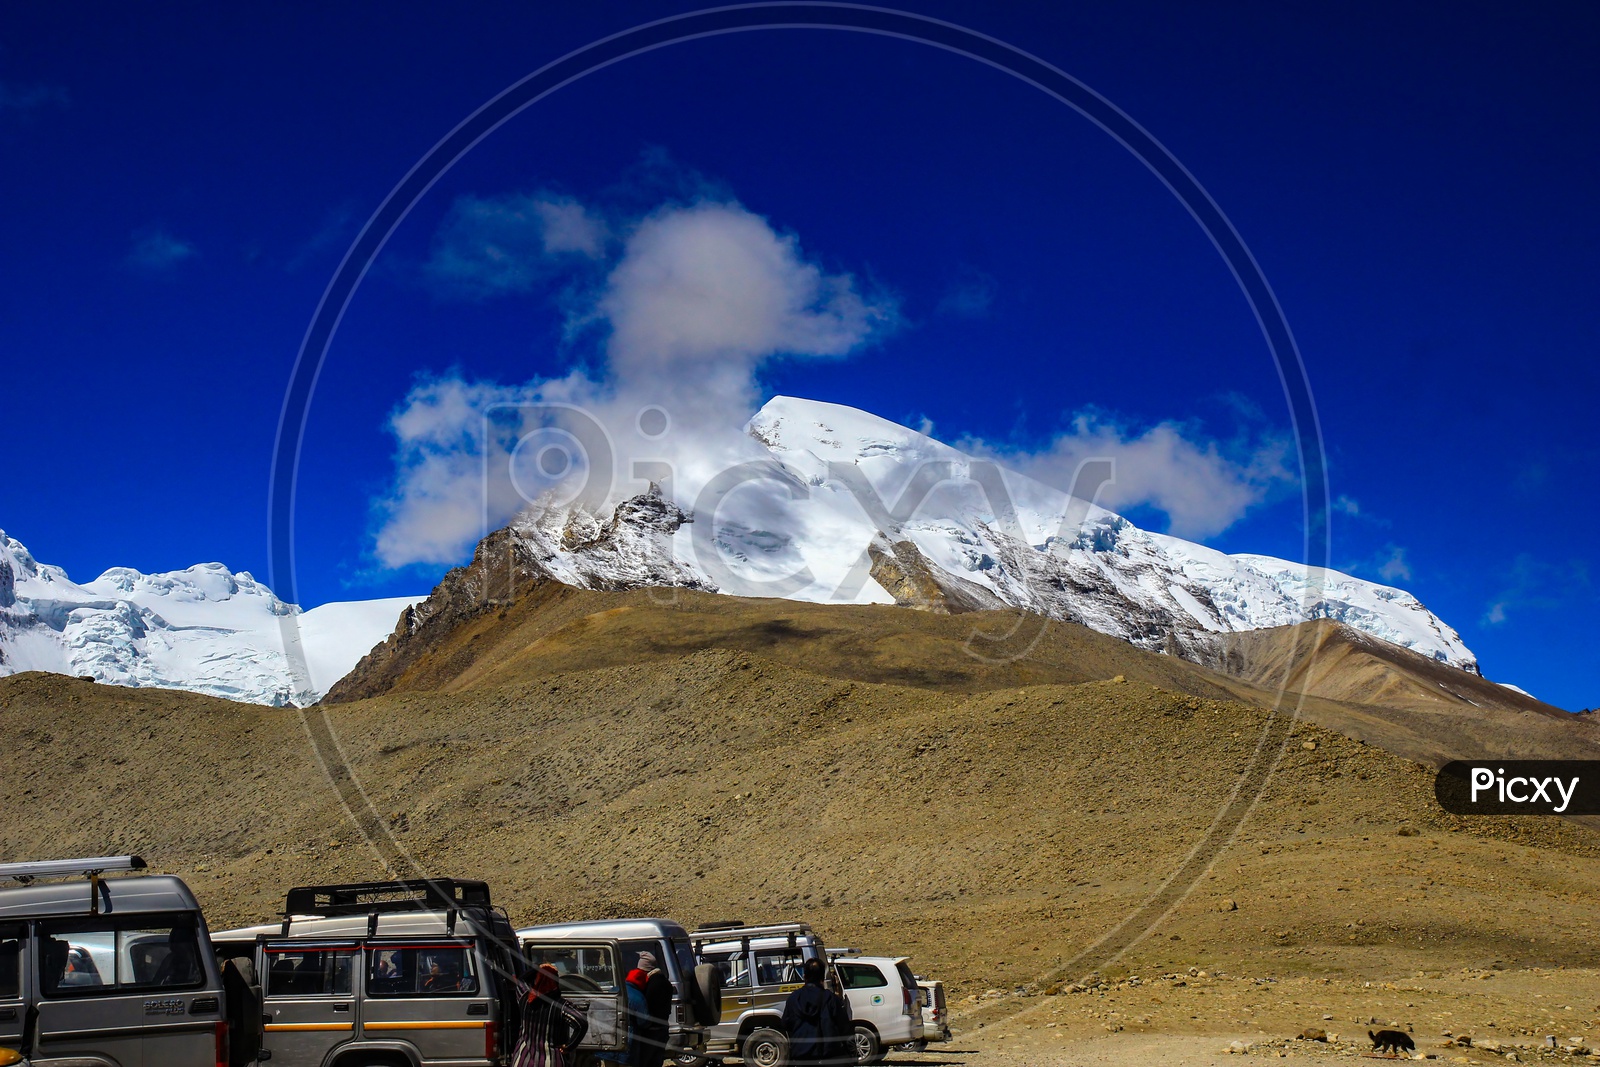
[[384, 974], [760, 967], [594, 959], [114, 971]]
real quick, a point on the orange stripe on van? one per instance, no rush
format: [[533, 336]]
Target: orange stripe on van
[[450, 1025], [293, 1028]]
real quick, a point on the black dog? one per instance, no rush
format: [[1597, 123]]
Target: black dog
[[1393, 1040]]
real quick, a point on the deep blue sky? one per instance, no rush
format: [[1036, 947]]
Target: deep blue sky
[[1422, 187]]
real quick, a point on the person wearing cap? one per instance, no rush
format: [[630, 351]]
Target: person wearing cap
[[650, 1029]]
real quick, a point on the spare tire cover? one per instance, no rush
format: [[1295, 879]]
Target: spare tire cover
[[708, 986]]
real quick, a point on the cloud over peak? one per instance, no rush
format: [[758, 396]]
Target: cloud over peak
[[715, 283], [1202, 485], [685, 304]]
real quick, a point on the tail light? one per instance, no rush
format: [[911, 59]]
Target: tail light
[[491, 1042], [222, 1043], [905, 997]]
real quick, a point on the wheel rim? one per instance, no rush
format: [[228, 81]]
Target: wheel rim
[[863, 1046], [765, 1054]]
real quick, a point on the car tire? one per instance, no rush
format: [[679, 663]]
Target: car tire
[[868, 1049], [765, 1047], [705, 994], [689, 1059]]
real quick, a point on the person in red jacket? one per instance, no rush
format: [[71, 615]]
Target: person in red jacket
[[653, 1028]]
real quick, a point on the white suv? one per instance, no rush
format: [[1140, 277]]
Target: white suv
[[884, 1001]]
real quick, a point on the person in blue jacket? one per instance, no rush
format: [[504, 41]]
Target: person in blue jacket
[[817, 1020]]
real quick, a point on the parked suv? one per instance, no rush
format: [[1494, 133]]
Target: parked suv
[[935, 1014], [884, 1002], [384, 974], [594, 959], [113, 972], [759, 967]]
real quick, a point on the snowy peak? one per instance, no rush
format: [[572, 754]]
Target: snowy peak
[[853, 508], [205, 629]]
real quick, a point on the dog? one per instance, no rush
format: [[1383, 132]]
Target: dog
[[1394, 1040]]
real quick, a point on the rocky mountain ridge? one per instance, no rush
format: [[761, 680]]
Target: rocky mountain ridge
[[840, 506]]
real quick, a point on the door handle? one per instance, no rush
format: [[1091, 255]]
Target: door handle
[[341, 1007], [8, 1015], [742, 1000]]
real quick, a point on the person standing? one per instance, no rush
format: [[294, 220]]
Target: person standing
[[652, 1026], [817, 1020], [551, 1028]]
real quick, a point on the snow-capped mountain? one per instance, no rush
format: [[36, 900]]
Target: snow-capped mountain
[[205, 629], [837, 505]]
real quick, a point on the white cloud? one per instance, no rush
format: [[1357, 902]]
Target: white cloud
[[696, 301], [1535, 583], [1394, 566], [1202, 486], [493, 246], [157, 251], [714, 284], [569, 227]]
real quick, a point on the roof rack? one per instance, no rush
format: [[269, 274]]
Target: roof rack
[[91, 867], [370, 898], [88, 867], [721, 932], [711, 933]]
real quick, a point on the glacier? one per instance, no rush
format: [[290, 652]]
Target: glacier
[[205, 629], [833, 504]]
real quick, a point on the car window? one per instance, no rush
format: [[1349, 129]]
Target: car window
[[133, 953], [907, 979], [779, 966], [686, 962], [735, 968], [10, 962], [309, 971], [631, 950], [420, 970], [861, 976], [580, 967]]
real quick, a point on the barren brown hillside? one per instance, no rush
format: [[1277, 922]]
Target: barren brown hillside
[[600, 754]]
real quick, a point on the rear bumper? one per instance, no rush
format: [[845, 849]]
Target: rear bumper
[[680, 1040]]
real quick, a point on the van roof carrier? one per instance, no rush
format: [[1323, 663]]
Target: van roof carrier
[[370, 898], [719, 932], [89, 867], [710, 933]]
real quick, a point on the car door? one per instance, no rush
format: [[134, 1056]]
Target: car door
[[867, 990], [777, 974], [430, 993], [308, 1000], [591, 981], [13, 989]]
